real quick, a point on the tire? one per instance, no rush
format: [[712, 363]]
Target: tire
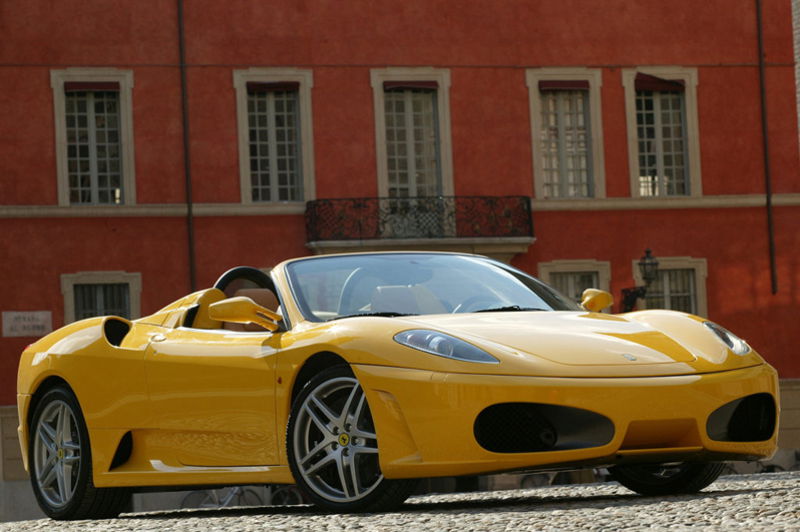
[[667, 479], [333, 449], [61, 462]]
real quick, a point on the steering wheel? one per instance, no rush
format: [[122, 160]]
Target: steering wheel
[[474, 303]]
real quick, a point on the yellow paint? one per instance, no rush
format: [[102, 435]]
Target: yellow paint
[[440, 413], [595, 300], [211, 406], [243, 310]]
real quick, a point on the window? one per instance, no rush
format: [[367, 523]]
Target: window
[[93, 154], [565, 144], [680, 285], [88, 294], [102, 299], [273, 127], [572, 284], [566, 126], [674, 290], [94, 136], [572, 277], [412, 131], [275, 143], [412, 139], [662, 132]]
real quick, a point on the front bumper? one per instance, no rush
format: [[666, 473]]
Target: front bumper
[[425, 421]]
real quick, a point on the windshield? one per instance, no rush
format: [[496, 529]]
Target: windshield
[[415, 283]]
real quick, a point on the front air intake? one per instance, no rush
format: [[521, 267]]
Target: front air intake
[[536, 427], [750, 418]]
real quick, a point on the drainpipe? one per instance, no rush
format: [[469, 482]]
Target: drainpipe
[[765, 142], [187, 162]]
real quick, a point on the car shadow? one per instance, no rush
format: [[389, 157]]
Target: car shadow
[[489, 502], [238, 511], [537, 503]]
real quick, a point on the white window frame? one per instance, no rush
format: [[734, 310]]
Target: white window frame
[[601, 267], [594, 76], [125, 79], [442, 77], [69, 280], [305, 79], [700, 267], [689, 77]]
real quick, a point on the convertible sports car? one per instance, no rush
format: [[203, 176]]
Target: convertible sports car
[[353, 375]]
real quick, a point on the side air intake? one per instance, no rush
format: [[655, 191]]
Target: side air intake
[[115, 330], [124, 450]]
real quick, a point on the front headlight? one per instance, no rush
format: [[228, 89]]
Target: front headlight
[[734, 343], [443, 345]]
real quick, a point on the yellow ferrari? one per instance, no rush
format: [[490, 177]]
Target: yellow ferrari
[[353, 375]]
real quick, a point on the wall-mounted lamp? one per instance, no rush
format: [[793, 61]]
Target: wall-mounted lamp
[[648, 266]]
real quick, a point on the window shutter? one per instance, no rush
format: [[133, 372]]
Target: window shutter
[[646, 82], [89, 86], [254, 87], [564, 85], [401, 85]]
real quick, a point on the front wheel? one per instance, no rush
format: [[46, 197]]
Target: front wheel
[[667, 479], [333, 448], [61, 462]]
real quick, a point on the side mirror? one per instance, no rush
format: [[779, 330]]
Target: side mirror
[[244, 310], [595, 300]]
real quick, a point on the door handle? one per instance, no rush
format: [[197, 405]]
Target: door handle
[[158, 338]]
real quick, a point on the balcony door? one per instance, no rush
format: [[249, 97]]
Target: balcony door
[[415, 207]]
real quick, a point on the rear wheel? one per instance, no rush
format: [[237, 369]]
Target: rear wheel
[[61, 462], [333, 448], [667, 479]]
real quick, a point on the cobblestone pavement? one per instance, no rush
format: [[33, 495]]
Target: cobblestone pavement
[[755, 502]]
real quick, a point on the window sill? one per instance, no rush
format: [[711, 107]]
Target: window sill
[[673, 202], [500, 248]]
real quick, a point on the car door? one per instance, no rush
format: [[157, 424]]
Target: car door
[[213, 394]]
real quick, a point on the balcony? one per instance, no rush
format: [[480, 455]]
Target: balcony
[[499, 226]]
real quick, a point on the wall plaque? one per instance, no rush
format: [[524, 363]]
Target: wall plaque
[[33, 323]]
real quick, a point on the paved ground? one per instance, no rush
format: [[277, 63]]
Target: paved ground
[[754, 502]]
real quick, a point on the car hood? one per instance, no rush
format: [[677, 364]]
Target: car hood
[[593, 344]]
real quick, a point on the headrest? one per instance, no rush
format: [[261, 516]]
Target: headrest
[[260, 296]]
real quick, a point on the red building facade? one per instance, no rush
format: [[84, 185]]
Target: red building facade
[[622, 126]]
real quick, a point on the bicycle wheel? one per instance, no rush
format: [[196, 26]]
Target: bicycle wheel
[[286, 496], [247, 497], [199, 499]]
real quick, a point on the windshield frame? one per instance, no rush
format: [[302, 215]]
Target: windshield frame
[[551, 297]]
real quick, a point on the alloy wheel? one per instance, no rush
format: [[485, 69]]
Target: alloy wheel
[[335, 445], [57, 454]]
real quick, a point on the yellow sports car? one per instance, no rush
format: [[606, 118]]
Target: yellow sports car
[[353, 375]]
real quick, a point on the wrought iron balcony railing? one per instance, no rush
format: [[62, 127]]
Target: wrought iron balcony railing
[[419, 217]]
